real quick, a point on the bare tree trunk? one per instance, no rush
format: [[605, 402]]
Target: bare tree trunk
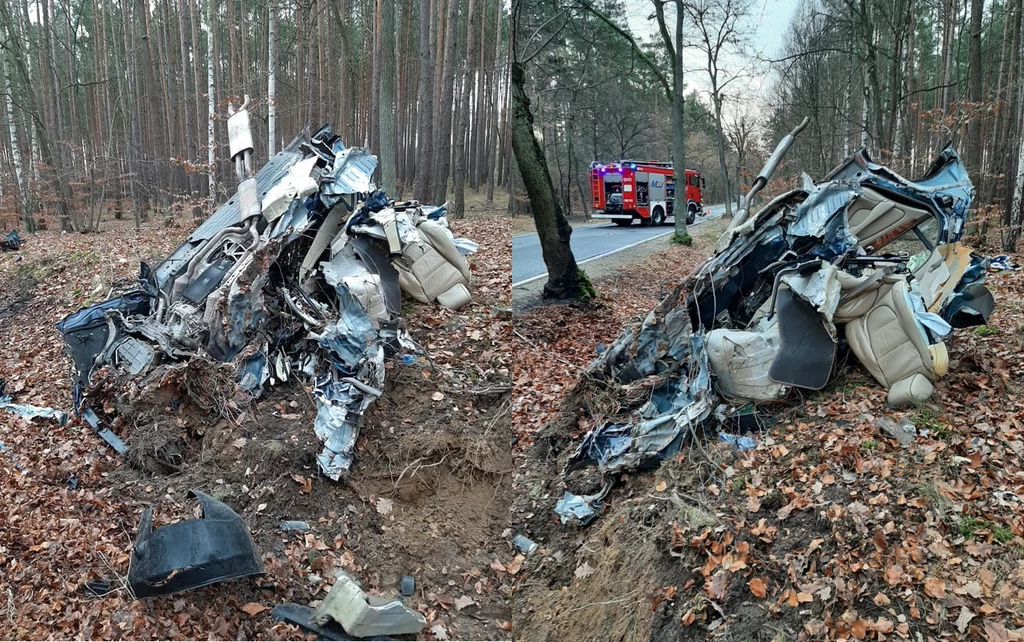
[[272, 79], [211, 111], [458, 209], [441, 163], [564, 277], [482, 98], [1016, 217], [132, 113], [949, 25], [493, 128], [23, 198], [425, 100], [726, 190], [387, 98], [974, 85], [678, 125]]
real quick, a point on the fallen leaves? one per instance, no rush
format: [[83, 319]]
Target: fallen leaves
[[964, 619], [718, 585], [935, 587], [794, 598], [583, 571], [384, 506], [758, 587], [253, 608]]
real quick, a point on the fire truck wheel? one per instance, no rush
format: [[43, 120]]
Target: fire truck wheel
[[658, 216], [624, 222], [691, 215]]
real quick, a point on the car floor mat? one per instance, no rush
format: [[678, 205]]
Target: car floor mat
[[807, 351]]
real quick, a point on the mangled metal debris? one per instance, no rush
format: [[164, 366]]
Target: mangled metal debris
[[11, 242], [303, 617], [524, 544], [104, 433], [363, 615], [28, 411], [301, 274], [192, 554], [865, 261]]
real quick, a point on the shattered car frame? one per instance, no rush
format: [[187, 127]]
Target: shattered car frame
[[818, 270], [300, 274]]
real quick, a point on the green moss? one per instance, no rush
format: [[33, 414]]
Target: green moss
[[869, 444], [685, 239], [985, 331], [587, 290], [927, 417], [970, 526]]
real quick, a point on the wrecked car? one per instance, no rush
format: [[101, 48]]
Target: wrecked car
[[300, 274], [864, 260]]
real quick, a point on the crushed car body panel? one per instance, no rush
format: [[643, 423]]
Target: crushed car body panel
[[191, 554]]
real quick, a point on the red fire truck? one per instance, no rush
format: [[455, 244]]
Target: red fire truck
[[627, 190]]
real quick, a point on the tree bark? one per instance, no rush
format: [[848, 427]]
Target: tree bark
[[425, 101], [976, 144], [564, 277], [441, 162], [387, 99], [458, 209], [211, 112], [19, 182], [272, 79], [678, 125]]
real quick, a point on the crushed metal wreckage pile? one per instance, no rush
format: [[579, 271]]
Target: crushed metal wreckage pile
[[11, 243], [865, 261], [301, 273]]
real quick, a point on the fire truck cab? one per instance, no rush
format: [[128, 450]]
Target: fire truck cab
[[626, 190]]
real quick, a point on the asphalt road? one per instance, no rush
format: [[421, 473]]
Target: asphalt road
[[589, 242]]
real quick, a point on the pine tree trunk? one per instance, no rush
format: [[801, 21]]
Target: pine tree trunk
[[425, 100], [272, 79], [211, 112], [458, 209], [387, 98], [441, 162], [492, 147]]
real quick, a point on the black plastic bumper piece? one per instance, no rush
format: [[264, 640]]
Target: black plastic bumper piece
[[192, 554]]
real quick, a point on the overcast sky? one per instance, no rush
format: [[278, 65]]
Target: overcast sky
[[768, 23]]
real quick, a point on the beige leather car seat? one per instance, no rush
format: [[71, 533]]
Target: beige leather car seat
[[434, 269], [942, 272], [892, 346], [875, 220]]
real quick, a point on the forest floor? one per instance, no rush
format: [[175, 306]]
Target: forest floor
[[427, 496], [827, 530]]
